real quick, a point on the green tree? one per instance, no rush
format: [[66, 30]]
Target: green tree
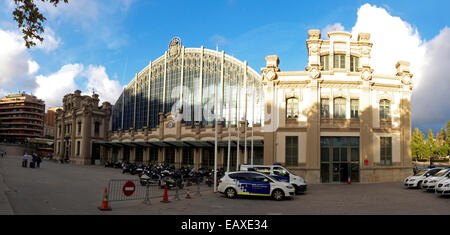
[[418, 146], [448, 133], [30, 19], [430, 143]]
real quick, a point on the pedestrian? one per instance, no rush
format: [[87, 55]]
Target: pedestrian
[[415, 169], [33, 159], [25, 160], [38, 161], [1, 154]]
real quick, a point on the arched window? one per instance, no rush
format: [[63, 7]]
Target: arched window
[[385, 110], [292, 108], [339, 108]]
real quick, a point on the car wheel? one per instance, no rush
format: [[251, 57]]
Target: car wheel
[[230, 193], [277, 195]]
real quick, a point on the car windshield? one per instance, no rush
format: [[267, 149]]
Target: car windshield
[[421, 172], [272, 178], [441, 173]]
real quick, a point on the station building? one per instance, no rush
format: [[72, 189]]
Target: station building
[[334, 120]]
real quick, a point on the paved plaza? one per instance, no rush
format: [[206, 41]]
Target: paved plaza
[[78, 190]]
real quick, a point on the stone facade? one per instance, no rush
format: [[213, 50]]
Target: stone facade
[[78, 124], [339, 76]]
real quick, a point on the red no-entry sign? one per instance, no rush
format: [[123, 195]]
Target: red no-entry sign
[[128, 188]]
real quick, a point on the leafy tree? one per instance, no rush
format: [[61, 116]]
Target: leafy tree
[[30, 19], [430, 143], [419, 148]]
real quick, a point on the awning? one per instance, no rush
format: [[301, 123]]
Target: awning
[[184, 143]]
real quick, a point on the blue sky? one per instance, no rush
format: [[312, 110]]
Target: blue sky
[[109, 41]]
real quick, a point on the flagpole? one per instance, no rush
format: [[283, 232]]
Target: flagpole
[[253, 118], [215, 140], [238, 124], [245, 114], [229, 126]]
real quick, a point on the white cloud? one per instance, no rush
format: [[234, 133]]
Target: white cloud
[[395, 39], [330, 28], [15, 61], [98, 81], [431, 101], [52, 88], [51, 41]]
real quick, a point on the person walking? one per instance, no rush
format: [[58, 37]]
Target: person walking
[[415, 169], [33, 160], [38, 161], [25, 160]]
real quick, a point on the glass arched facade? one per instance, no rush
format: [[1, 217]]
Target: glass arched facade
[[189, 82]]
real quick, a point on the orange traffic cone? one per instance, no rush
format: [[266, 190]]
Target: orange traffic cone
[[188, 195], [104, 206], [165, 197]]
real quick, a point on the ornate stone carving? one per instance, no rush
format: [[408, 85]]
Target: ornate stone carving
[[175, 47], [314, 72], [366, 74], [314, 34], [270, 75]]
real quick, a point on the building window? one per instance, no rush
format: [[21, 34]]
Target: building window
[[354, 108], [59, 147], [188, 156], [325, 62], [79, 128], [291, 150], [97, 128], [385, 107], [324, 108], [153, 155], [339, 108], [78, 148], [386, 151], [292, 108], [339, 61], [354, 63]]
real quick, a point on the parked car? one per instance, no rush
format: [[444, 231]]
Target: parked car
[[430, 183], [250, 183], [443, 187], [416, 180], [280, 173]]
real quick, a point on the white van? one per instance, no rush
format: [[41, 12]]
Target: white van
[[280, 173]]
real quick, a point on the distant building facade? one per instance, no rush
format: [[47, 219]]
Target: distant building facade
[[21, 117], [79, 123], [49, 123]]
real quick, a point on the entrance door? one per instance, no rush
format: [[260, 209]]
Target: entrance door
[[339, 158]]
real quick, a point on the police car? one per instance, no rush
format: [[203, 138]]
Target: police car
[[280, 173], [443, 187], [430, 183], [416, 180], [253, 183]]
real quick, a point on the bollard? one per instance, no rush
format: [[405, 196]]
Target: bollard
[[198, 187], [177, 197], [147, 194]]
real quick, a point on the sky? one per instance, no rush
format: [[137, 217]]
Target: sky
[[99, 45]]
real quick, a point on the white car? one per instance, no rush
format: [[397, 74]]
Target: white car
[[430, 183], [416, 180], [253, 183], [280, 173], [443, 188]]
